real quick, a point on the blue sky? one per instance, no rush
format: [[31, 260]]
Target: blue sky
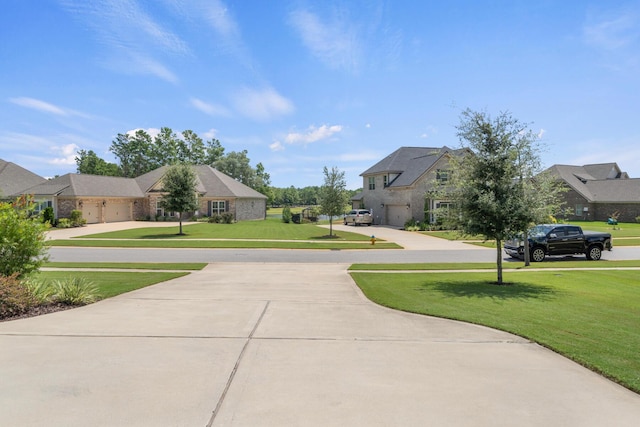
[[306, 84]]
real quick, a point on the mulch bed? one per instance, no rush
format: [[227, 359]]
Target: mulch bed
[[39, 310]]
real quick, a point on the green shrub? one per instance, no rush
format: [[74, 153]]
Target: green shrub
[[47, 215], [638, 219], [22, 249], [15, 299], [41, 292], [75, 291], [286, 215], [76, 218], [64, 223]]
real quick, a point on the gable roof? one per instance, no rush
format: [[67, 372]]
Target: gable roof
[[600, 183], [83, 185], [211, 183], [15, 179], [409, 162]]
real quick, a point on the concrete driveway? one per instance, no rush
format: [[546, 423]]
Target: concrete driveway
[[256, 344]]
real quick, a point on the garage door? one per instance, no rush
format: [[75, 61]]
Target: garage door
[[91, 213], [397, 215], [118, 212]]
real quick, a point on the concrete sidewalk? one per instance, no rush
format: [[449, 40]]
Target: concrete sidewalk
[[284, 344]]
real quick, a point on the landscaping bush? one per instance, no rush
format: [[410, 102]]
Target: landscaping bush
[[286, 215], [15, 298], [47, 216], [75, 291], [638, 219], [64, 223], [76, 218], [22, 249], [41, 292]]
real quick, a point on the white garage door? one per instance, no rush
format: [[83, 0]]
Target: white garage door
[[397, 215], [118, 212], [91, 213]]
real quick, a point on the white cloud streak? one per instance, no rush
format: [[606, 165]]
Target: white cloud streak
[[313, 134], [208, 108], [335, 43], [66, 154], [46, 107], [262, 105]]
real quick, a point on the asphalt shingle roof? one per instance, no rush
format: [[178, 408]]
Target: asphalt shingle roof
[[15, 179], [600, 183], [410, 162]]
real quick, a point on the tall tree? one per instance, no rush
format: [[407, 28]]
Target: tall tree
[[89, 163], [492, 182], [135, 153], [179, 183], [333, 194], [237, 166]]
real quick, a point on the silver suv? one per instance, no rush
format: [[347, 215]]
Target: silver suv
[[358, 217]]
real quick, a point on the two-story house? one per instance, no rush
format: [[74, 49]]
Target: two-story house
[[397, 188]]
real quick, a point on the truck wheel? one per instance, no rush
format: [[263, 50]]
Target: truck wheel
[[537, 255], [594, 253]]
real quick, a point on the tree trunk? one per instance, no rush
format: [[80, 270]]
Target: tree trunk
[[525, 238], [330, 226], [499, 260], [180, 220]]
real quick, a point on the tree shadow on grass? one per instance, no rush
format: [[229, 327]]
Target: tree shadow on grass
[[488, 289]]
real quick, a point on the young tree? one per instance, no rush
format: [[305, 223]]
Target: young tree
[[493, 191], [179, 183], [333, 195], [135, 153], [22, 248]]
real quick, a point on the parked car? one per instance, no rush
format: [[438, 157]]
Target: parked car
[[560, 239], [358, 217]]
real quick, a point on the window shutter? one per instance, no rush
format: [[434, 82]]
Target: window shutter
[[226, 206]]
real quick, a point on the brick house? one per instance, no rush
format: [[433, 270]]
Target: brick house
[[598, 191], [396, 189], [112, 199]]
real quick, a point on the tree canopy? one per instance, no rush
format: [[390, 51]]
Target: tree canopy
[[179, 183], [333, 194], [495, 189]]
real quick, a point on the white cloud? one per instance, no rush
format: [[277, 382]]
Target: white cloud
[[335, 43], [221, 20], [276, 146], [541, 133], [66, 154], [46, 107], [210, 134], [613, 33], [210, 109], [368, 125], [313, 134], [153, 132], [131, 34], [39, 105], [263, 104]]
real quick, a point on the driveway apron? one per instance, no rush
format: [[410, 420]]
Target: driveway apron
[[258, 344]]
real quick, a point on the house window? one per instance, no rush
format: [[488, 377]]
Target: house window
[[579, 210], [217, 207], [42, 205], [443, 176], [372, 183], [385, 180]]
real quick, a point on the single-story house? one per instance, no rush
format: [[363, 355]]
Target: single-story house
[[397, 188], [599, 191], [112, 199]]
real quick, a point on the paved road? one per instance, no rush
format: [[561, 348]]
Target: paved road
[[268, 344]]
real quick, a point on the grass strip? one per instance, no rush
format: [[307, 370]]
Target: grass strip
[[221, 244], [591, 317], [130, 265], [268, 229], [113, 283], [492, 265]]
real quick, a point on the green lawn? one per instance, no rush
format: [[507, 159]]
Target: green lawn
[[592, 317], [624, 234], [270, 233], [519, 265], [112, 283], [129, 265]]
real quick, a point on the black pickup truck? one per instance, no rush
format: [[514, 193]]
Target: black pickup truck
[[560, 239]]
